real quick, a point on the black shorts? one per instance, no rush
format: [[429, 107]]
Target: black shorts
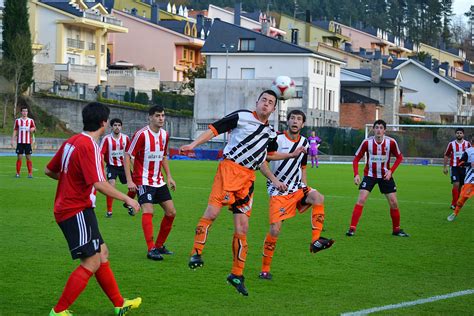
[[23, 149], [385, 186], [82, 234], [457, 174], [113, 172], [154, 195]]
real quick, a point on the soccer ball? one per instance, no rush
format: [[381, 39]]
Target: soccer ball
[[284, 87]]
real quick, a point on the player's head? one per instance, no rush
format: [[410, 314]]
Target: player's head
[[295, 120], [95, 116], [156, 116], [24, 110], [266, 103], [379, 127], [313, 133], [459, 133], [116, 125]]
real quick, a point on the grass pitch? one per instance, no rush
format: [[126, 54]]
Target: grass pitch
[[369, 270]]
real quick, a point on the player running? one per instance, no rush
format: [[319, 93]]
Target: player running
[[23, 137], [234, 182], [467, 191], [314, 143], [378, 150], [80, 173], [453, 153], [113, 148], [283, 204], [149, 149]]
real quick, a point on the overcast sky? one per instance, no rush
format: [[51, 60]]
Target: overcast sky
[[461, 6]]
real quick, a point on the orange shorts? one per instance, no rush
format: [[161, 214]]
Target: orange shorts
[[284, 206], [467, 190], [233, 186]]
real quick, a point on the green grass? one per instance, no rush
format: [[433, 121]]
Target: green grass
[[372, 269]]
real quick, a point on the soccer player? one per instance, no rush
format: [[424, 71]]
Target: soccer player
[[234, 182], [283, 204], [149, 148], [23, 137], [453, 153], [113, 148], [467, 191], [314, 143], [379, 149], [80, 173]]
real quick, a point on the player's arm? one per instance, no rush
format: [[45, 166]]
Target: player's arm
[[399, 158], [53, 168], [304, 162], [128, 174], [51, 174], [14, 136], [447, 156], [106, 188], [265, 170], [203, 138], [33, 126], [355, 163], [166, 169], [276, 155]]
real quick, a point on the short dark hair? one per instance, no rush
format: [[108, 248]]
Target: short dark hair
[[270, 92], [93, 114], [24, 107], [380, 122], [115, 120], [154, 109], [296, 112], [459, 129]]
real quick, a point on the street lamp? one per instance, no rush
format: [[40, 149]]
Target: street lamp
[[227, 47]]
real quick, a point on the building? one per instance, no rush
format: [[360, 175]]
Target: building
[[168, 11], [357, 110]]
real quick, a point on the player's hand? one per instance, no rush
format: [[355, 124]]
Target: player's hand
[[13, 144], [357, 180], [280, 185], [132, 186], [388, 175], [185, 148], [298, 151], [171, 184], [445, 170], [133, 203]]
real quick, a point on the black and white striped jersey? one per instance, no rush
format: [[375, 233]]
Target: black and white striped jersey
[[288, 171], [248, 138], [468, 158]]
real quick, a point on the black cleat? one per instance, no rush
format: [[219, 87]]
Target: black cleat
[[400, 233], [351, 232], [108, 214], [265, 276], [164, 251], [195, 262], [320, 244], [154, 255], [130, 209], [238, 283]]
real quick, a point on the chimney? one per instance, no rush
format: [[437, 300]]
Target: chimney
[[265, 27], [362, 52], [435, 63], [200, 20], [465, 66], [294, 36], [348, 47], [207, 23], [445, 66], [428, 62], [309, 19], [376, 70], [134, 11], [378, 54], [155, 13], [237, 11]]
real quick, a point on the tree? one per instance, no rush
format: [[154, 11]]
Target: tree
[[191, 74], [447, 11], [17, 63]]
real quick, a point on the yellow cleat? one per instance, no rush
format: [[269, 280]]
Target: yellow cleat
[[127, 306], [63, 313]]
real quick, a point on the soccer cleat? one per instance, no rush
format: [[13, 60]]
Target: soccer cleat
[[351, 232], [30, 176], [17, 175], [153, 254], [452, 207], [400, 233], [63, 313], [127, 306], [265, 276], [195, 262], [320, 244], [130, 209], [164, 251], [108, 214], [238, 283], [451, 217]]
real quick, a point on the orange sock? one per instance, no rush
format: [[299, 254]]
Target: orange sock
[[110, 202], [268, 249], [459, 204], [317, 221], [200, 237], [239, 249]]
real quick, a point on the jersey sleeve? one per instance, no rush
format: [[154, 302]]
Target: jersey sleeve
[[136, 143], [33, 123], [305, 157], [358, 156], [449, 151], [104, 145], [91, 164], [395, 150], [225, 124], [127, 143], [272, 145], [55, 164], [16, 125]]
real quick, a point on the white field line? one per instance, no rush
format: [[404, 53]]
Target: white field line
[[410, 303]]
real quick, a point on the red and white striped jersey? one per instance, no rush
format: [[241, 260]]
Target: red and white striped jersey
[[378, 157], [114, 149], [23, 127], [455, 150], [148, 150], [79, 164]]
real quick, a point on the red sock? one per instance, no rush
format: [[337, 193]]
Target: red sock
[[76, 283], [147, 225], [105, 278], [18, 166], [356, 213], [395, 214], [132, 194], [455, 193], [165, 228], [110, 202], [29, 164]]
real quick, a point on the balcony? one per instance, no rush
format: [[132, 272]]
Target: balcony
[[91, 46], [93, 16], [75, 43], [140, 80], [112, 20], [72, 73]]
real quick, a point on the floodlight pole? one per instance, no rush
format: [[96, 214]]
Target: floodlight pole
[[227, 48]]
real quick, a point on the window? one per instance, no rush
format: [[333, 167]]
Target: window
[[247, 73], [319, 68], [185, 54], [191, 55], [213, 73], [314, 98], [314, 66], [247, 44]]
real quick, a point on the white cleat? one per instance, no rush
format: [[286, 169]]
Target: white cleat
[[451, 217]]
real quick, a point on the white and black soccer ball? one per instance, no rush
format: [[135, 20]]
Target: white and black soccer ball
[[284, 87]]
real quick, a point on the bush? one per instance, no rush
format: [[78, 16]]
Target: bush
[[126, 96], [420, 106], [142, 98], [173, 101]]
